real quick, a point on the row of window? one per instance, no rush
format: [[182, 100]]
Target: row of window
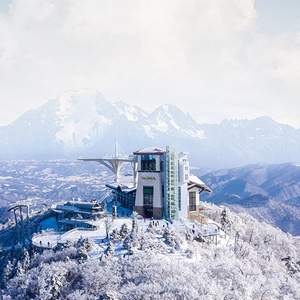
[[148, 192], [148, 162], [192, 201]]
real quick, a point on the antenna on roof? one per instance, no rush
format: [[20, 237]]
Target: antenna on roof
[[116, 149]]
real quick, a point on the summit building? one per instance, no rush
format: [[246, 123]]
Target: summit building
[[161, 185]]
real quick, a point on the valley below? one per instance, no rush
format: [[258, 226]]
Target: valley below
[[270, 193]]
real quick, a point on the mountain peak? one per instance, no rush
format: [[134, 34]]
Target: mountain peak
[[132, 113], [79, 101], [83, 122]]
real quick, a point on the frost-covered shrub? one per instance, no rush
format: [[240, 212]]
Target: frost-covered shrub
[[168, 234], [189, 236], [115, 235], [81, 253], [109, 252], [132, 240], [149, 242], [110, 296], [83, 247], [48, 256], [87, 243], [67, 244], [172, 239], [291, 265], [150, 227], [200, 239]]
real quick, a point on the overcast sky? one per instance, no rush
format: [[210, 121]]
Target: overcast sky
[[216, 59]]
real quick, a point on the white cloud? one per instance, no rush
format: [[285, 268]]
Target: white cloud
[[204, 56]]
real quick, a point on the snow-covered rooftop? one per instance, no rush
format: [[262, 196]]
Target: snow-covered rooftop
[[150, 150], [124, 187], [195, 180]]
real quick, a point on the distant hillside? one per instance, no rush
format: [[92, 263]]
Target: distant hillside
[[270, 193], [83, 123], [43, 183]]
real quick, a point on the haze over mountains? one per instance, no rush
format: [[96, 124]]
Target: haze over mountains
[[270, 193], [83, 123]]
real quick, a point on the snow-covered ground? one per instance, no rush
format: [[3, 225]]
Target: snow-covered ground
[[49, 238]]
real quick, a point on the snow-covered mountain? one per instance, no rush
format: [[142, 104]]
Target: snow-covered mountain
[[83, 123], [242, 142], [270, 193]]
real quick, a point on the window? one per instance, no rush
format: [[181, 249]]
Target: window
[[179, 198], [148, 162], [192, 201], [148, 195]]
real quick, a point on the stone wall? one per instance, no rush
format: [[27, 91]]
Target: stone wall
[[158, 212], [194, 215]]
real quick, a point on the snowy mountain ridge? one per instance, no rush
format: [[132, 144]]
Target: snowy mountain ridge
[[270, 193], [83, 123]]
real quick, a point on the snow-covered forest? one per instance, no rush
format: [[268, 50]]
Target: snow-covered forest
[[251, 260]]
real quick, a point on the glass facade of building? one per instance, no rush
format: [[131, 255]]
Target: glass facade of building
[[148, 195], [148, 162], [192, 201]]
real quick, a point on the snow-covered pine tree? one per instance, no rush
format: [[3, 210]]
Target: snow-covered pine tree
[[56, 286], [124, 230], [7, 273], [26, 259], [109, 251], [88, 244]]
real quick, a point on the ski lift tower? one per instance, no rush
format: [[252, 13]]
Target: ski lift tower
[[20, 222], [115, 162]]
